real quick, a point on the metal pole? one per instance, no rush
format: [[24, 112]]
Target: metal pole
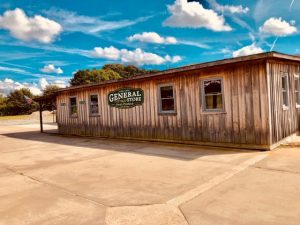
[[52, 113], [41, 116]]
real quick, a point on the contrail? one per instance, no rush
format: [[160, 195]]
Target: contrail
[[292, 3], [273, 45]]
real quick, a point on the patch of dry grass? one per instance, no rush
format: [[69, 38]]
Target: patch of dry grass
[[19, 117]]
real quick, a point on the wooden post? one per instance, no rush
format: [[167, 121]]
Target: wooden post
[[41, 116]]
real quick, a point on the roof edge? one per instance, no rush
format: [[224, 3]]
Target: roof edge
[[221, 62]]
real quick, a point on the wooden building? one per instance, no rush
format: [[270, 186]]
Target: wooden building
[[246, 102]]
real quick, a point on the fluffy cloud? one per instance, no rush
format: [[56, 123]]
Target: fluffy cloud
[[107, 53], [26, 28], [278, 27], [194, 15], [137, 56], [50, 68], [9, 85], [152, 37], [247, 50], [234, 9]]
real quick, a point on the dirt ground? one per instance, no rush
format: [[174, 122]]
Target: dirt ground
[[59, 180], [34, 118]]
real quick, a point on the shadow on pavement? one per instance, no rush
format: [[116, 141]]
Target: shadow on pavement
[[169, 150]]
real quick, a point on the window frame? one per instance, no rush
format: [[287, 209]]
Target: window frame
[[94, 114], [167, 112], [287, 88], [297, 92], [203, 95], [70, 107]]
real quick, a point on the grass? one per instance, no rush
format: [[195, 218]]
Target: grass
[[19, 117]]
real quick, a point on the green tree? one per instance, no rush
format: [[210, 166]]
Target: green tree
[[93, 76], [127, 71], [16, 103], [50, 89], [3, 101]]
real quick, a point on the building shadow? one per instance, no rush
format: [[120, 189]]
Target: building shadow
[[159, 149]]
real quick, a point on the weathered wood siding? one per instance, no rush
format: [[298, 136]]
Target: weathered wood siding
[[284, 122], [245, 121]]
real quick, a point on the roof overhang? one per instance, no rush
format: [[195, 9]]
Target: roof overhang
[[224, 62]]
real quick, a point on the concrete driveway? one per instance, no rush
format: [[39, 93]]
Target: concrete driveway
[[51, 179]]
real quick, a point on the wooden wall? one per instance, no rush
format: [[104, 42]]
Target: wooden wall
[[283, 122], [245, 121]]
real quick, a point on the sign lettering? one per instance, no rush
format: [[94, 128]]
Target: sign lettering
[[126, 98]]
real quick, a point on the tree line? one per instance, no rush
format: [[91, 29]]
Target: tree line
[[19, 102]]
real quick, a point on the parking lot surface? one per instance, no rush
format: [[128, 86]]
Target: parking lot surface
[[53, 179]]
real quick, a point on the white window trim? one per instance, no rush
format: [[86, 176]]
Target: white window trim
[[94, 114], [170, 112], [70, 111], [297, 76], [203, 100], [286, 75]]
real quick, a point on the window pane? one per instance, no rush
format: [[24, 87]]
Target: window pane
[[73, 101], [212, 87], [285, 98], [283, 80], [297, 97], [166, 92], [214, 102], [167, 105], [73, 106], [94, 107], [284, 83]]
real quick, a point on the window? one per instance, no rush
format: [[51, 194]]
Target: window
[[212, 92], [284, 90], [167, 99], [297, 91], [73, 106], [94, 104]]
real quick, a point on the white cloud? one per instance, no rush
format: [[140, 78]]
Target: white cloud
[[43, 83], [59, 83], [137, 56], [278, 27], [50, 68], [8, 85], [247, 50], [26, 28], [152, 37], [194, 15], [107, 53], [234, 9]]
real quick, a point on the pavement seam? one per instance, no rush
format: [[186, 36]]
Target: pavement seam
[[187, 196]]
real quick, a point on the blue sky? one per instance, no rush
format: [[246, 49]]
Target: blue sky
[[45, 42]]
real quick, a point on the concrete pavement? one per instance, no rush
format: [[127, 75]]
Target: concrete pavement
[[51, 179]]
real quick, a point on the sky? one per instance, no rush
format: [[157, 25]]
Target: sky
[[46, 42]]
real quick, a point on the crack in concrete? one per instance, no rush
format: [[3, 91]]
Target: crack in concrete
[[276, 170]]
